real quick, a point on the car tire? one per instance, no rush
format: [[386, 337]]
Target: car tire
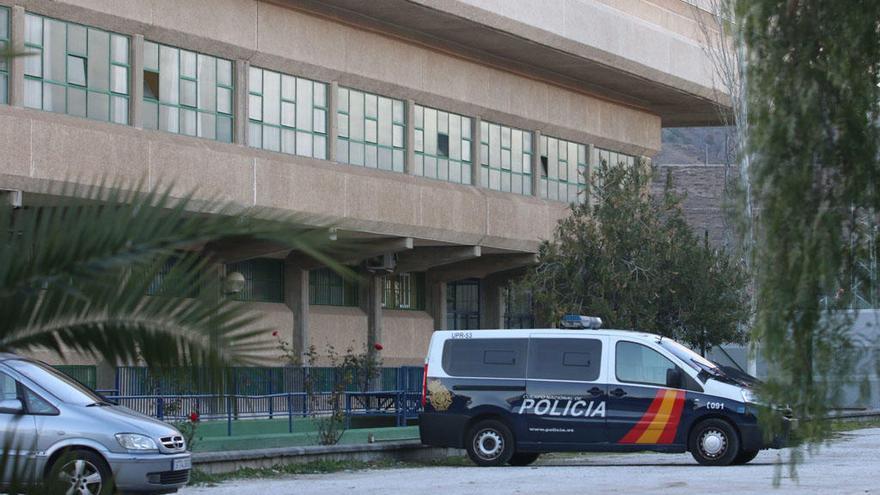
[[714, 442], [76, 468], [745, 456], [523, 458], [489, 443]]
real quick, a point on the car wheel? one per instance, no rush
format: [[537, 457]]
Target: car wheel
[[714, 442], [82, 472], [523, 459], [490, 443], [745, 456]]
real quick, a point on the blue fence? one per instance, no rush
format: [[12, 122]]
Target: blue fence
[[400, 404], [142, 381]]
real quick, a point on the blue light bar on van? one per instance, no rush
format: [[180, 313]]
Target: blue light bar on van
[[581, 322]]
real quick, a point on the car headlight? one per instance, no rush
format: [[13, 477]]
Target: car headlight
[[133, 441], [749, 396]]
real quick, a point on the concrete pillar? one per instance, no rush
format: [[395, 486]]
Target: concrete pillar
[[332, 120], [16, 64], [296, 296], [475, 155], [592, 166], [136, 87], [537, 169], [491, 303], [410, 140], [240, 111], [436, 302], [371, 303]]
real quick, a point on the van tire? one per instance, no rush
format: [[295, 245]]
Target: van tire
[[523, 458], [714, 442], [64, 466], [489, 443], [745, 457]]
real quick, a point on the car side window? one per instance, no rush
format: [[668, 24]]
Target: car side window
[[35, 404], [565, 359], [636, 363], [8, 390]]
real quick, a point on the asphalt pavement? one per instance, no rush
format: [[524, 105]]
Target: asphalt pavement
[[848, 465]]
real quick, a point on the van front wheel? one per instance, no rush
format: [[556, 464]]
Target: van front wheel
[[714, 442], [490, 443]]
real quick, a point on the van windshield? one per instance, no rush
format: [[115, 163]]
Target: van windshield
[[57, 383], [694, 360]]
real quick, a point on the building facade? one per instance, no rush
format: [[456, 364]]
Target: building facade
[[446, 136]]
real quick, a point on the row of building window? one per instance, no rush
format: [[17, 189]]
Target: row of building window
[[86, 72]]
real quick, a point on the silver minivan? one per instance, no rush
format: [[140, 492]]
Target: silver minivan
[[61, 430]]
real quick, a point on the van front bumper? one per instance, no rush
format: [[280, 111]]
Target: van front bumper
[[752, 436], [153, 473]]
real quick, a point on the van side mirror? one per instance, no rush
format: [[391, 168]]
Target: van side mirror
[[674, 378], [11, 406]]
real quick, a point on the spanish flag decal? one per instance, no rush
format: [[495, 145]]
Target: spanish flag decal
[[660, 422]]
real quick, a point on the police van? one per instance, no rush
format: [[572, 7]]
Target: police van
[[506, 396]]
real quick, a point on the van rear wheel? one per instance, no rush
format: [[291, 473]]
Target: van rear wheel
[[714, 442], [523, 458], [490, 443]]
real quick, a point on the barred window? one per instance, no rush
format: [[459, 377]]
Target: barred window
[[564, 166], [328, 288], [187, 92], [505, 158], [76, 69], [442, 145], [404, 291], [372, 130], [287, 113], [263, 279]]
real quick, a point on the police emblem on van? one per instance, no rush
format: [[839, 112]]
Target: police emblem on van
[[439, 396]]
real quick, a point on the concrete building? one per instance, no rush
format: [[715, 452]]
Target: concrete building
[[446, 135]]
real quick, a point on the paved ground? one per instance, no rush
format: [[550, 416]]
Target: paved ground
[[848, 465]]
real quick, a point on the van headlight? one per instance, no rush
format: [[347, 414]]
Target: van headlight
[[133, 441], [749, 396]]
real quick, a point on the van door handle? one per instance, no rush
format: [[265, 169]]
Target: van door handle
[[618, 392], [595, 391]]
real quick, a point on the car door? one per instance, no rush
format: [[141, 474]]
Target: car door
[[642, 408], [565, 392], [18, 431]]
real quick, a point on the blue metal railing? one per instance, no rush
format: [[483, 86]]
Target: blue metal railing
[[401, 404]]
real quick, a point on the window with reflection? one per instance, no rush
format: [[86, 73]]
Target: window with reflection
[[287, 113], [76, 69], [371, 130], [187, 92], [505, 158], [442, 145], [4, 66], [564, 168], [614, 158]]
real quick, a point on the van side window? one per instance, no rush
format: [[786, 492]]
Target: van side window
[[565, 359], [637, 363], [497, 358]]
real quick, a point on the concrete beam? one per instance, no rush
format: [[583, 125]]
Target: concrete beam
[[243, 249], [421, 259], [357, 252], [483, 266]]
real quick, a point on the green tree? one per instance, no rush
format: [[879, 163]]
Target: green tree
[[632, 259], [813, 76]]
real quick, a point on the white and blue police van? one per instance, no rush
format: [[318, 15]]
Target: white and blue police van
[[506, 396]]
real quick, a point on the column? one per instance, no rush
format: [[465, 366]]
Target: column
[[332, 120], [436, 302], [136, 87], [240, 113], [16, 64], [296, 296], [537, 169], [592, 166], [410, 140], [491, 303], [475, 156], [372, 306]]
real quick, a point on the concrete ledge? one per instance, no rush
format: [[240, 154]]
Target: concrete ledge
[[405, 450], [856, 415]]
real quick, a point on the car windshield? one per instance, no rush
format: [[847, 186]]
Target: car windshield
[[57, 383], [690, 357]]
